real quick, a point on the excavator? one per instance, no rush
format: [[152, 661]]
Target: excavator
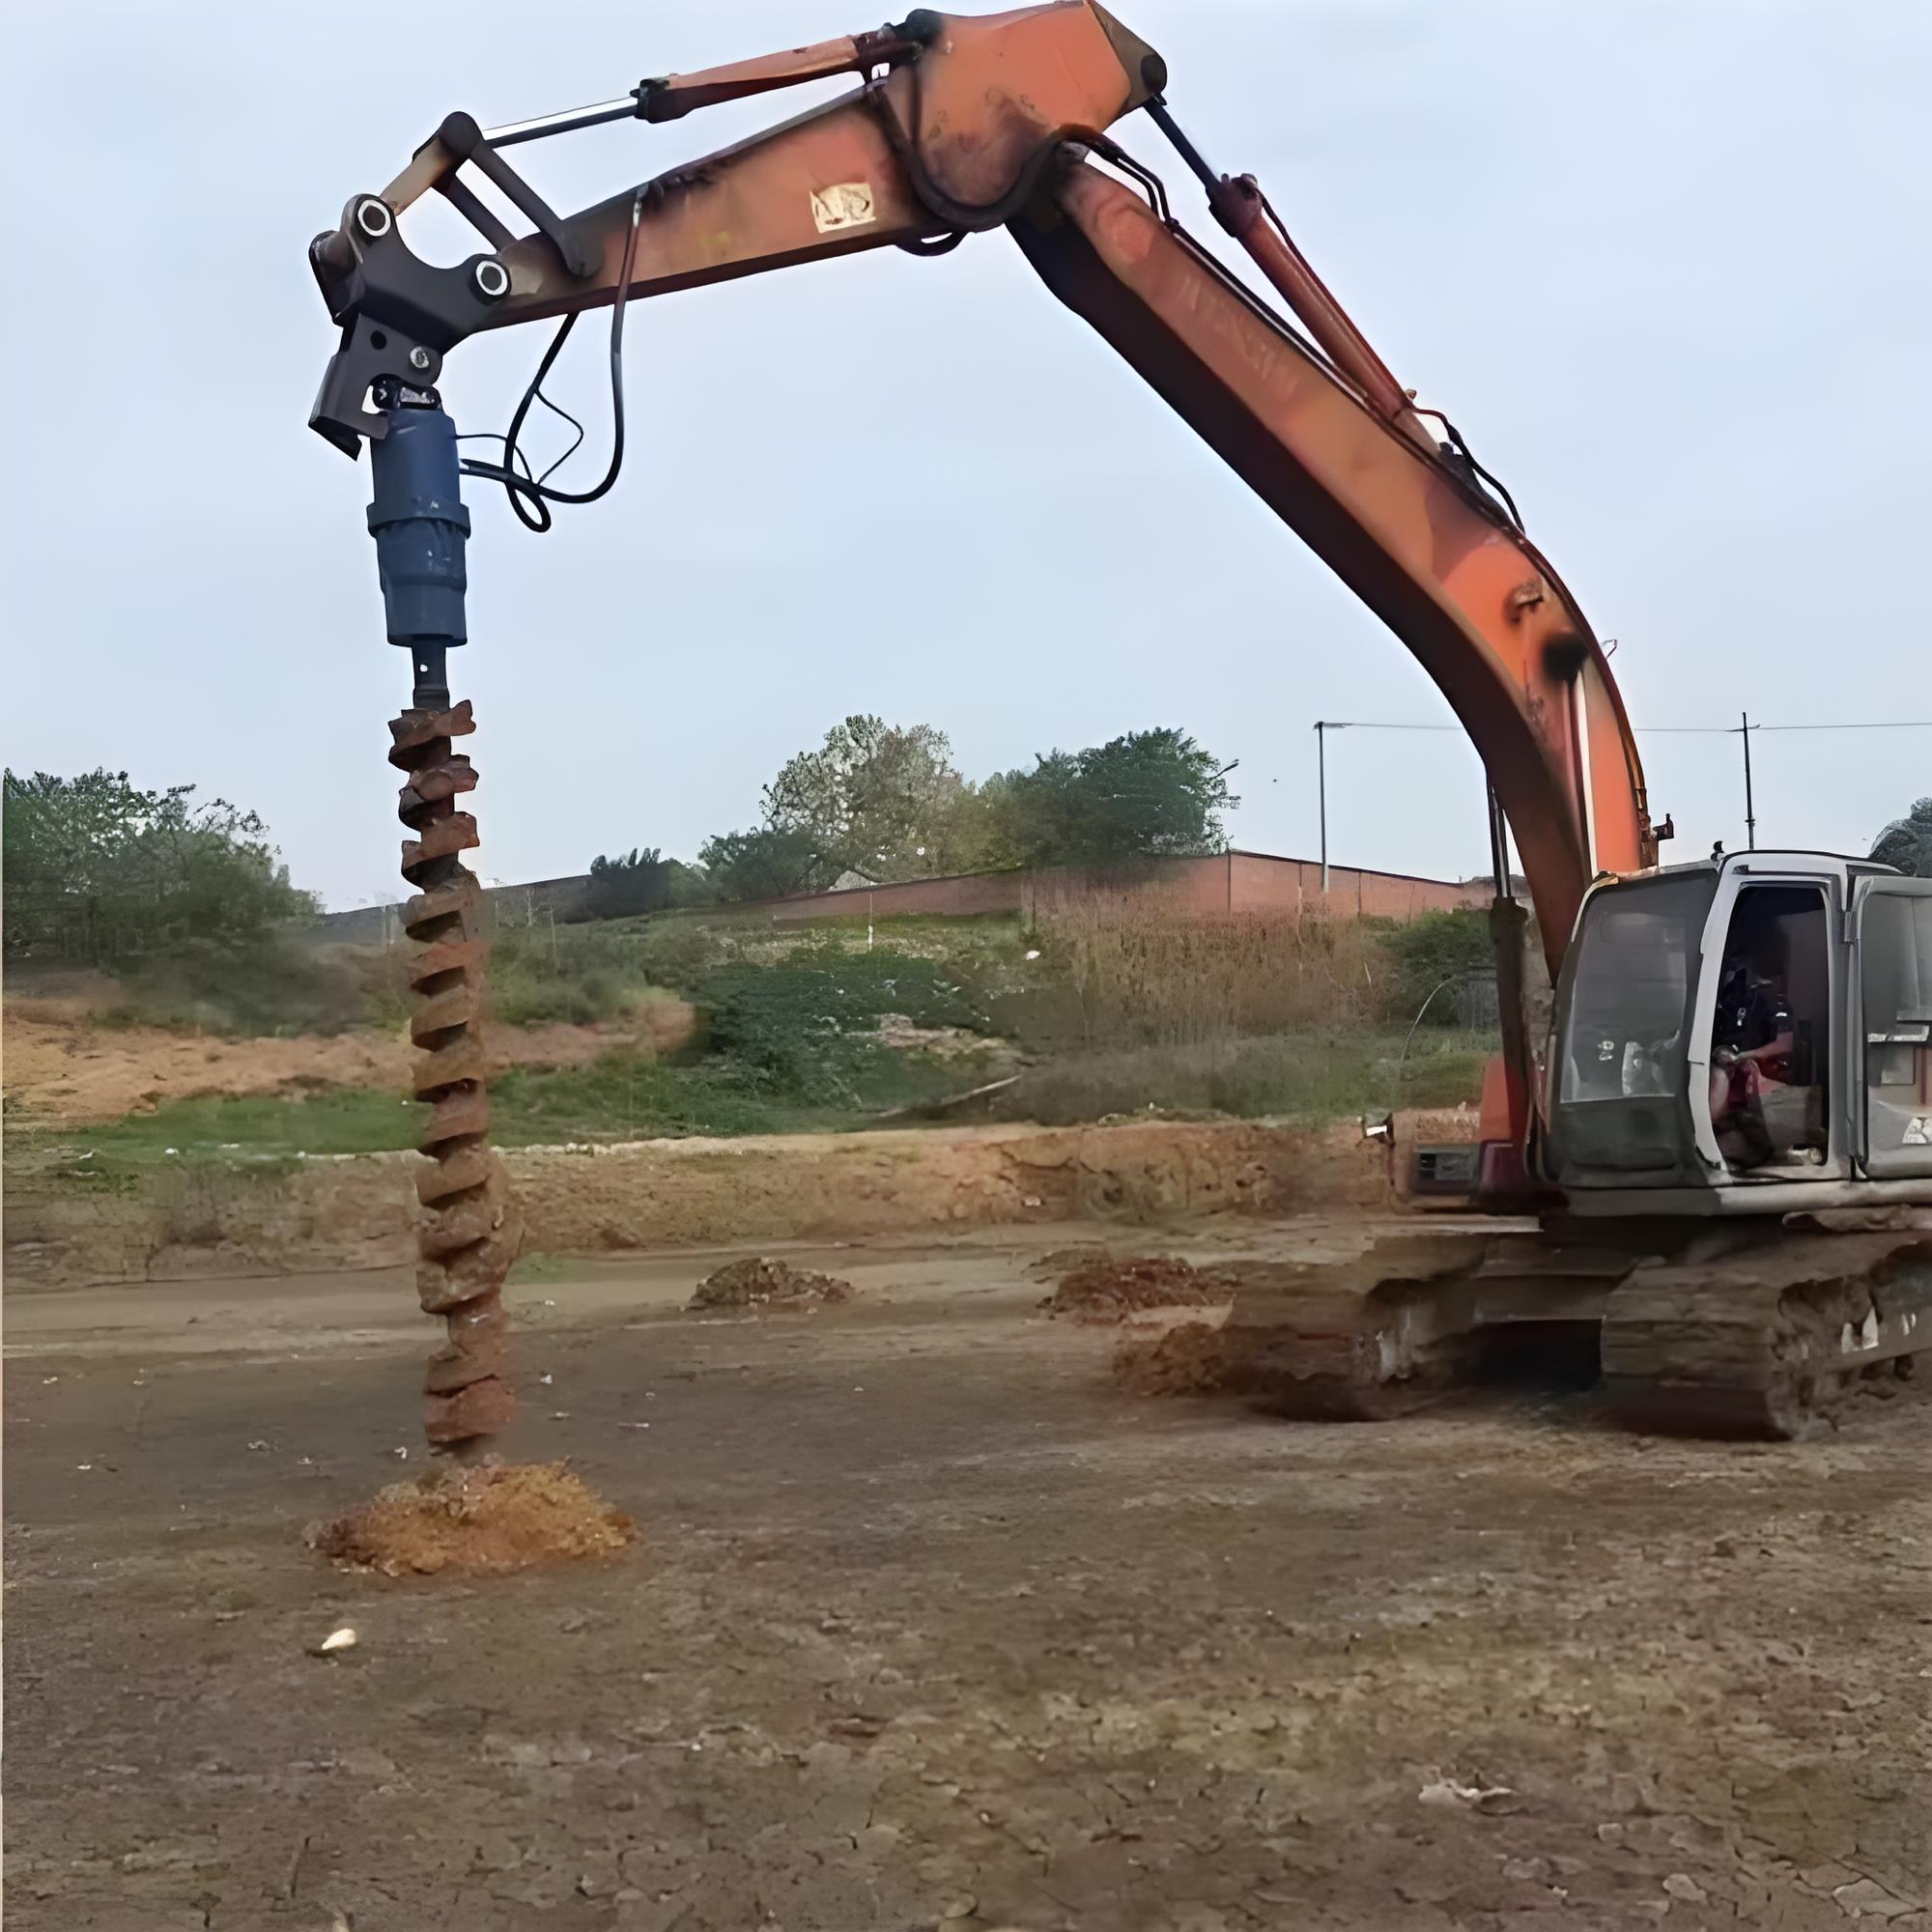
[[1715, 1092]]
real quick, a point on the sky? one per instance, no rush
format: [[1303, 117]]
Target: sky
[[1664, 264]]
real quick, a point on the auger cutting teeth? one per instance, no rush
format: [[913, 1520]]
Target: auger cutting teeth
[[466, 1234]]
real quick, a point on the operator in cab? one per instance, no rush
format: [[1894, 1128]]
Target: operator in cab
[[1750, 1046]]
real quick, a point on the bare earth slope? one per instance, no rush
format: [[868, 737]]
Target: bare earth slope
[[64, 1067]]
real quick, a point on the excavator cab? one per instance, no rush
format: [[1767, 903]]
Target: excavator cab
[[1730, 1032]]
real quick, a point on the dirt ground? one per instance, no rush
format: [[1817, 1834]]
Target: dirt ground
[[928, 1626]]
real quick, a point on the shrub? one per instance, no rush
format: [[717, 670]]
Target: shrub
[[579, 975], [675, 952], [267, 985], [808, 1027], [1427, 952]]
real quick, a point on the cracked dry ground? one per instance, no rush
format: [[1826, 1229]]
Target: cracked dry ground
[[926, 1625]]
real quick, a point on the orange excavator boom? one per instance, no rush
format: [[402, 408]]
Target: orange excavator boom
[[963, 124]]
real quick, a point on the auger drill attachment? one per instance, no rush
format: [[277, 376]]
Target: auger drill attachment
[[465, 1232]]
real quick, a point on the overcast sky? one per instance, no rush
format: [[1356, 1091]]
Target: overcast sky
[[1664, 264]]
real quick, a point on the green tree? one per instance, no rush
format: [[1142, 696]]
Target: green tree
[[1429, 956], [97, 870], [636, 881], [1148, 794], [691, 886], [1907, 843], [766, 863], [875, 797]]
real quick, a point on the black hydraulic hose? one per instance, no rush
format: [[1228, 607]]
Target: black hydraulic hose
[[519, 485]]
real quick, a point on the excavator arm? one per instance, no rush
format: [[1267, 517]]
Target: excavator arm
[[961, 124], [956, 125]]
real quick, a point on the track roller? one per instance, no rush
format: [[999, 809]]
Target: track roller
[[1773, 1342]]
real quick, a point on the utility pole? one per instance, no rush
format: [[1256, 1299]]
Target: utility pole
[[1751, 807], [1322, 726]]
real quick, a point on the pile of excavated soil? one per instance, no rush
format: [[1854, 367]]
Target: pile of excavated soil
[[1105, 1288], [1193, 1358], [482, 1521], [763, 1283]]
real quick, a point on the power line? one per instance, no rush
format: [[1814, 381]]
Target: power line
[[1742, 729], [1888, 725], [1654, 730]]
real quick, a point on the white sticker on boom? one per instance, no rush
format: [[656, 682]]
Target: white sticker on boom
[[1918, 1130], [849, 205]]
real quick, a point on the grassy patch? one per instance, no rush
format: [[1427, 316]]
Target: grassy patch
[[807, 1029], [629, 1096], [620, 1096], [1313, 1077], [626, 1097], [273, 986], [343, 1120], [1250, 1017], [623, 1096], [533, 1269], [584, 974]]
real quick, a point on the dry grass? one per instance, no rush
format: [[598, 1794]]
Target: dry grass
[[1306, 1077], [1149, 977]]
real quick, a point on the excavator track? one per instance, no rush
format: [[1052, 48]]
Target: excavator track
[[1754, 1330], [1361, 1341], [1415, 1318], [1774, 1342], [467, 1236]]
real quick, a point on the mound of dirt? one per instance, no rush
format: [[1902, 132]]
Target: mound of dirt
[[482, 1521], [1105, 1288], [763, 1283], [1193, 1358]]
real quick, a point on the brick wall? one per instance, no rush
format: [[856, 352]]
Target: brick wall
[[1233, 882], [1230, 882], [562, 900], [963, 896], [1262, 882]]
